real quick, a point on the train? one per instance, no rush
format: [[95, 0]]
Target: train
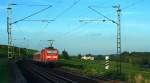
[[46, 55]]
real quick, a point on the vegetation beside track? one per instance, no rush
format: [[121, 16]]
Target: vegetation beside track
[[96, 67], [23, 51], [4, 65], [4, 71]]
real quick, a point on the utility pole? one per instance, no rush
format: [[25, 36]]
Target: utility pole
[[9, 27]]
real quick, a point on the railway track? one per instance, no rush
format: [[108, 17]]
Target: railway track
[[36, 74], [39, 74], [77, 78]]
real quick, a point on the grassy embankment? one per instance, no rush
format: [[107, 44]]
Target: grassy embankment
[[4, 71], [4, 67], [132, 73]]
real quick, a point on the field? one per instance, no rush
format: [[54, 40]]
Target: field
[[131, 73], [4, 71]]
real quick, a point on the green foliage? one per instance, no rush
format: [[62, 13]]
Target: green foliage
[[78, 66], [4, 71], [99, 57], [23, 51], [3, 51], [96, 67], [88, 55], [65, 54], [136, 57], [79, 56]]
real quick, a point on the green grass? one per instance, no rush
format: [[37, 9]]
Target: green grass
[[96, 67], [4, 71]]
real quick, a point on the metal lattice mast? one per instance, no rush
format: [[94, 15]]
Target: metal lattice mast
[[9, 27], [118, 37]]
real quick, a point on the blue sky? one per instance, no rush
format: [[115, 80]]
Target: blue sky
[[77, 37]]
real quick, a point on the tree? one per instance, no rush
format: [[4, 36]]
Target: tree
[[88, 55], [125, 53], [79, 56], [65, 54]]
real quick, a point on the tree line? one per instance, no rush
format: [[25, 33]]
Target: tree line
[[127, 57]]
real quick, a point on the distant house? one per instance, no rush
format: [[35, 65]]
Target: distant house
[[87, 57]]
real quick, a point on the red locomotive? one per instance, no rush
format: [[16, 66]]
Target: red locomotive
[[46, 55]]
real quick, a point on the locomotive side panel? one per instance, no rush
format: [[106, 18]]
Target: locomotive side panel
[[36, 57]]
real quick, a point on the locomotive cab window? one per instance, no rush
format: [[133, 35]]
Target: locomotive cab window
[[52, 52]]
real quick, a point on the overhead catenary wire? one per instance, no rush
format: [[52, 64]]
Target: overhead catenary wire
[[20, 4], [104, 4], [24, 19], [20, 30], [67, 9], [102, 14], [61, 13], [32, 14], [103, 20], [79, 28], [64, 11], [39, 20], [75, 29]]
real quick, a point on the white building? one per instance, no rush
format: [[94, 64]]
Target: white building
[[87, 57]]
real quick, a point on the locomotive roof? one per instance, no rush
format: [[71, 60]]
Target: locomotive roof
[[51, 48]]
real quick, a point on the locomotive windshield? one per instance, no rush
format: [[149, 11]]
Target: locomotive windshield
[[52, 52]]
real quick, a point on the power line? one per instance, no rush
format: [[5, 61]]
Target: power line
[[76, 29], [44, 28], [67, 9], [73, 30], [101, 14], [18, 4], [39, 20], [32, 15], [20, 30], [64, 11], [103, 4]]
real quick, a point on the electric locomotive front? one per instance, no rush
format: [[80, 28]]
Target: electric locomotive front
[[46, 55], [51, 54]]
